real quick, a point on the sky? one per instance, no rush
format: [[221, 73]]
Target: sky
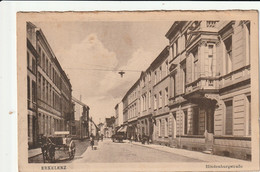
[[91, 53]]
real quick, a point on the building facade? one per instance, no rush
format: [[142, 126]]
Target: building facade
[[32, 57], [210, 77], [161, 116], [53, 99], [119, 114], [80, 126], [200, 94], [132, 109]]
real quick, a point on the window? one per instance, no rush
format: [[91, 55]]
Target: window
[[166, 96], [53, 98], [43, 89], [47, 66], [210, 59], [173, 85], [149, 76], [185, 122], [33, 91], [33, 66], [159, 127], [228, 45], [29, 127], [248, 43], [183, 76], [166, 128], [155, 102], [229, 118], [160, 73], [249, 115], [49, 69], [47, 91], [39, 85], [155, 77], [166, 67], [142, 100], [149, 99], [43, 61], [195, 121], [195, 63], [28, 59], [50, 99], [28, 88], [160, 99], [175, 48], [53, 75]]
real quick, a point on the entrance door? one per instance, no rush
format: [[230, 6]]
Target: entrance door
[[195, 121], [210, 121], [210, 129]]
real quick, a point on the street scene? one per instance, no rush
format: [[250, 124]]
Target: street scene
[[108, 151], [162, 91]]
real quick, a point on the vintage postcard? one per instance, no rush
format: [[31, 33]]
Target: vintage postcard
[[138, 91]]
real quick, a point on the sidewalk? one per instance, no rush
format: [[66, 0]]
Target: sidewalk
[[191, 154], [92, 155], [34, 152]]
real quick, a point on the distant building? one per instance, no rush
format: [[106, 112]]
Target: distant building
[[80, 127], [109, 126], [119, 114], [101, 128]]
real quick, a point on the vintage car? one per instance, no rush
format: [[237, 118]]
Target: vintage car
[[60, 143], [119, 136]]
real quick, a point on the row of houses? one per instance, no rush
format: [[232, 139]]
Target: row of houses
[[50, 104], [196, 93]]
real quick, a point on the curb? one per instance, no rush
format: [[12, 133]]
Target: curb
[[168, 152], [202, 159], [34, 155]]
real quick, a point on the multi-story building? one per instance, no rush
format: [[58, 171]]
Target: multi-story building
[[131, 109], [210, 93], [53, 99], [32, 57], [160, 79], [145, 110], [200, 89], [80, 125]]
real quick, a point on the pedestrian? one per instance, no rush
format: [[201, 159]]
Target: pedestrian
[[102, 137], [131, 139], [92, 141]]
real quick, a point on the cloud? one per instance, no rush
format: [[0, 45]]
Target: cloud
[[115, 85], [101, 89], [83, 61]]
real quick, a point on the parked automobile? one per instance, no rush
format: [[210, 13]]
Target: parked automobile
[[119, 136]]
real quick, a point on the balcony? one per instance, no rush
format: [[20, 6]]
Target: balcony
[[234, 77], [213, 84], [203, 84]]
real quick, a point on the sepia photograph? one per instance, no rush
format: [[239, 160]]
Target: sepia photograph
[[143, 90]]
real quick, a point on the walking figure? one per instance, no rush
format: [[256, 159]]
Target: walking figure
[[92, 141]]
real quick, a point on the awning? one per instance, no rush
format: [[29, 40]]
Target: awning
[[122, 129]]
